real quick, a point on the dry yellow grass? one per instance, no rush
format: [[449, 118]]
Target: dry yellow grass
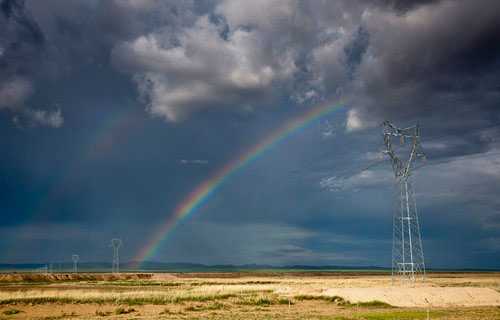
[[436, 291], [287, 297]]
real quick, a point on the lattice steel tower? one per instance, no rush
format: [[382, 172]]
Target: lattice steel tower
[[75, 259], [407, 251], [116, 244]]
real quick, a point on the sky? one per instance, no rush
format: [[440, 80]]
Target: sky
[[113, 112]]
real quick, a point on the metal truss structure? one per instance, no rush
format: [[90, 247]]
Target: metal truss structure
[[116, 244], [407, 251], [75, 259]]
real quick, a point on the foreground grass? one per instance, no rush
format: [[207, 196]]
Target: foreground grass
[[145, 283], [219, 298], [160, 300], [335, 299], [396, 314], [372, 304], [342, 302], [206, 307], [259, 307]]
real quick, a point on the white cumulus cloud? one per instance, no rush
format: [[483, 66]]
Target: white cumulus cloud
[[204, 69]]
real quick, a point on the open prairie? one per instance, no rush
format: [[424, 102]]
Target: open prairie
[[248, 295]]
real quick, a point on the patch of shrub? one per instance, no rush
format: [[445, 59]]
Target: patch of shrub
[[102, 313], [261, 301], [166, 311], [121, 310], [285, 301], [62, 316], [374, 304], [194, 308], [139, 283], [10, 312], [335, 299], [212, 306], [215, 306]]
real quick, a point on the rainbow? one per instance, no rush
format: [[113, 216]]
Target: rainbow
[[200, 195]]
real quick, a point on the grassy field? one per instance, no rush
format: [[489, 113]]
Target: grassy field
[[246, 296]]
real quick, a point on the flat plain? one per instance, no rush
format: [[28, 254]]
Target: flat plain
[[248, 295]]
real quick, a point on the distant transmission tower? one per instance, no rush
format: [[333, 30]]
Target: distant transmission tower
[[407, 251], [116, 244], [75, 259]]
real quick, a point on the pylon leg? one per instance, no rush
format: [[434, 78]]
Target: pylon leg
[[407, 253]]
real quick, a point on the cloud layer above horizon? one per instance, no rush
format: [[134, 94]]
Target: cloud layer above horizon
[[398, 59]]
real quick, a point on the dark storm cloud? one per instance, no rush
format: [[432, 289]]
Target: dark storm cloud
[[388, 58], [426, 64], [21, 43], [14, 10], [78, 28], [54, 40], [402, 6], [22, 55]]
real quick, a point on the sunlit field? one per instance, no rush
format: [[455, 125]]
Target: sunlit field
[[248, 296]]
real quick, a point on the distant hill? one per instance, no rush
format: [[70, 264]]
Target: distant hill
[[193, 267], [152, 266]]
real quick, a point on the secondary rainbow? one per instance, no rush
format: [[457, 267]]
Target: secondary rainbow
[[204, 190]]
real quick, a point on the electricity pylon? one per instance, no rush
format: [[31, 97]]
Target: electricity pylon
[[407, 251], [75, 259], [116, 244]]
